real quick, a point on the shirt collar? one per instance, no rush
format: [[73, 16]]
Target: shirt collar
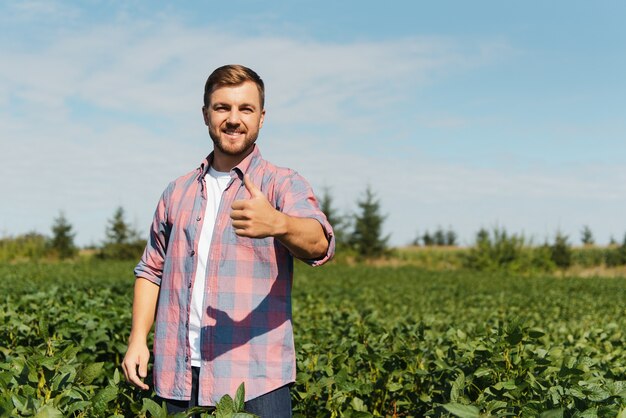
[[245, 166]]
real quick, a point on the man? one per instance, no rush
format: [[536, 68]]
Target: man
[[216, 273]]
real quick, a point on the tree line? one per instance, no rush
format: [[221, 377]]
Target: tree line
[[358, 235], [122, 242], [361, 234]]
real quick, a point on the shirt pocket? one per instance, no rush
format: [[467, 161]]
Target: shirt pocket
[[260, 249], [256, 243]]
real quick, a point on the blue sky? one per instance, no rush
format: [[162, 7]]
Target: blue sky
[[458, 114]]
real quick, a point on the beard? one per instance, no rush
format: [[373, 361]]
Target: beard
[[233, 149]]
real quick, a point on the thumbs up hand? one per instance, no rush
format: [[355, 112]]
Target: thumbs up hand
[[256, 217]]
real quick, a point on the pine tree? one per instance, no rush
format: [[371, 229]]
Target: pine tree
[[122, 241], [586, 236], [62, 242], [118, 231], [451, 238], [367, 238], [428, 239], [561, 253], [439, 237]]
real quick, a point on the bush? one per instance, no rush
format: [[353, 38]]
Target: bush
[[122, 251], [500, 251], [560, 251], [616, 256], [30, 246], [589, 256]]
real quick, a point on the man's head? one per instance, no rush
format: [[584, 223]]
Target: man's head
[[232, 75], [233, 111]]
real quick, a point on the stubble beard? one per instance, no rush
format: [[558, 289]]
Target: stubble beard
[[237, 150]]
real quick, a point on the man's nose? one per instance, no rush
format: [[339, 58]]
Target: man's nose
[[233, 118]]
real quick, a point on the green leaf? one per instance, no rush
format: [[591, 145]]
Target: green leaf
[[577, 393], [508, 385], [48, 411], [48, 363], [514, 337], [225, 406], [483, 371], [589, 413], [102, 398], [462, 411], [153, 408], [622, 413], [191, 412], [597, 394], [536, 333], [394, 386], [553, 413], [240, 396], [90, 373], [358, 405]]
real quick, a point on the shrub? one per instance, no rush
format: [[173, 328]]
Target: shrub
[[561, 253], [589, 256], [616, 256], [30, 246], [500, 251]]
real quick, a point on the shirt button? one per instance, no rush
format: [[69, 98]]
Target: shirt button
[[186, 359], [192, 253], [189, 285], [198, 218]]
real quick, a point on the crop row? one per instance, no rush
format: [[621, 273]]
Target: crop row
[[370, 342]]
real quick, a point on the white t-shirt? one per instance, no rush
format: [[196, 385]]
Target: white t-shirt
[[216, 182]]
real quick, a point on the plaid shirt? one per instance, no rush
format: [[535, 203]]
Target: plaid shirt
[[246, 333]]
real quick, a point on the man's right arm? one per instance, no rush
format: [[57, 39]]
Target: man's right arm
[[135, 364]]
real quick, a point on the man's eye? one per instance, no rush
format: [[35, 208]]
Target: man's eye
[[247, 110]]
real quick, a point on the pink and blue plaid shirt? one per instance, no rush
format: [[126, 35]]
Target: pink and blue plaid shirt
[[246, 333]]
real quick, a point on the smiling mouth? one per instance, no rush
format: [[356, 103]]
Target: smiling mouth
[[232, 132]]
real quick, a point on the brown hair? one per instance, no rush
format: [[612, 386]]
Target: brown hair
[[232, 75]]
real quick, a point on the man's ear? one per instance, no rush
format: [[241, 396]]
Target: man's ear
[[262, 118], [205, 115]]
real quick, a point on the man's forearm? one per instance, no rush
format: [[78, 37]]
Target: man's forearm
[[303, 237], [144, 308], [257, 218]]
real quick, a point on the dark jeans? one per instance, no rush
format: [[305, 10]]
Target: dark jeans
[[276, 404]]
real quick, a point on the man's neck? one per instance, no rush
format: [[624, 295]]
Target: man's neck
[[225, 162]]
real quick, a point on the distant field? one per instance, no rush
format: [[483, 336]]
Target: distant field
[[371, 341], [585, 261]]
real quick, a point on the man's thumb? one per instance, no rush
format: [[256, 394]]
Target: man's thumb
[[254, 191]]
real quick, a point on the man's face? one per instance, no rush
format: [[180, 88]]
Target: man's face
[[234, 117]]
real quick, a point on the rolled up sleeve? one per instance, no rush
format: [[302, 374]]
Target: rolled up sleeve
[[297, 199], [150, 267]]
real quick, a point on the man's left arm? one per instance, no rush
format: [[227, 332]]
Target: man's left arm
[[304, 237]]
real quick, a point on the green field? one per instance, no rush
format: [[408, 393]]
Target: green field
[[371, 342]]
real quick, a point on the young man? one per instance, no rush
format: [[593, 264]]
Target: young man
[[216, 273]]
